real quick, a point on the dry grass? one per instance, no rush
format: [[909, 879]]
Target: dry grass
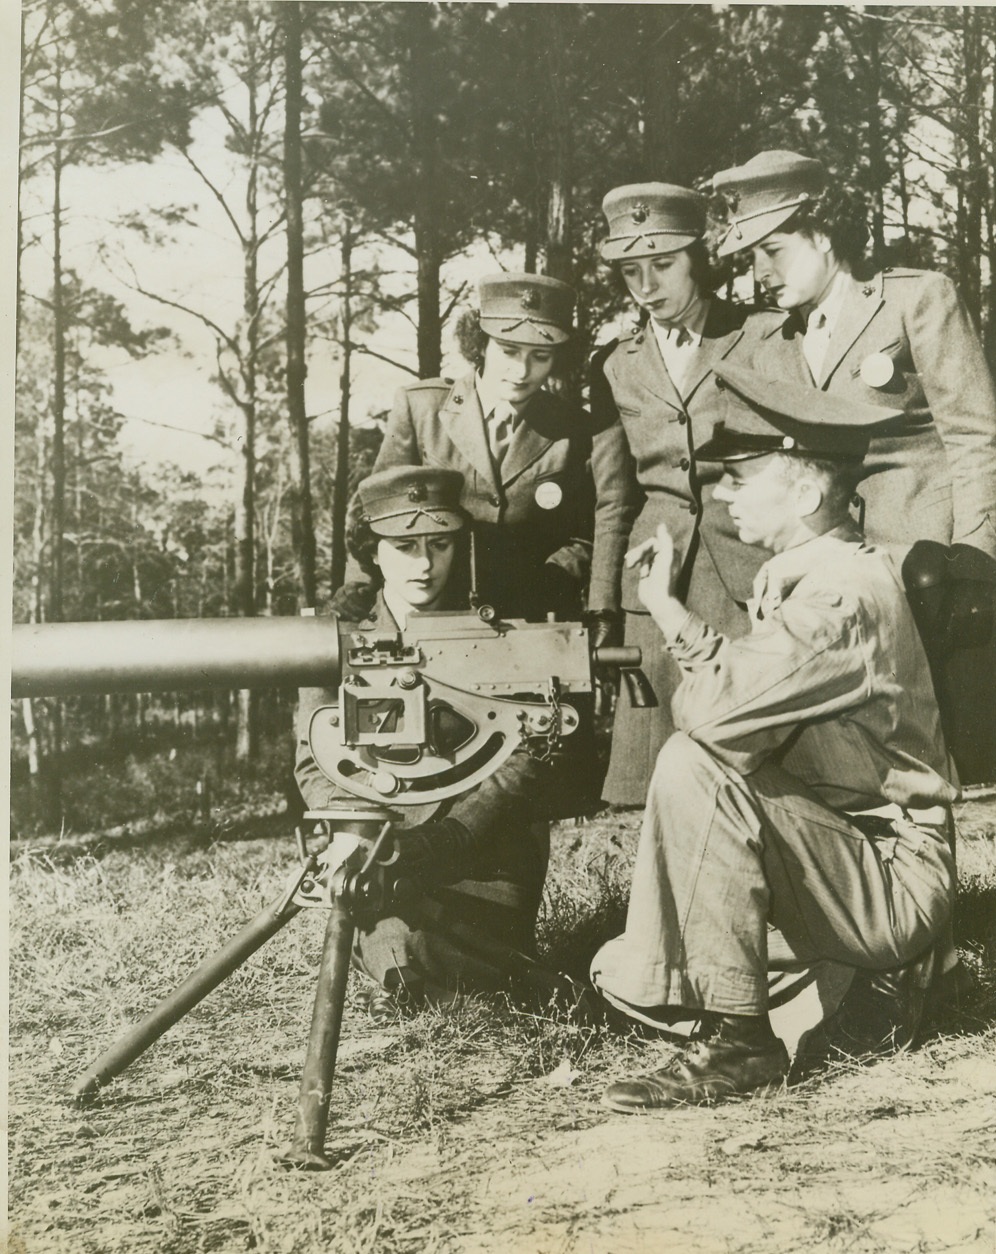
[[476, 1128]]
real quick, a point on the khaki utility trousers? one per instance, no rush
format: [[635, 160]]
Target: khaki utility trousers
[[732, 869]]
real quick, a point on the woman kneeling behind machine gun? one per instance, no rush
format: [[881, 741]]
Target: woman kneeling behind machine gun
[[478, 861]]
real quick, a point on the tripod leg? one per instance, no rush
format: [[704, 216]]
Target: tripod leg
[[195, 987], [307, 1146]]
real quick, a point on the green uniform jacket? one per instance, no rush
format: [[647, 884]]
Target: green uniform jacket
[[932, 476], [536, 508], [643, 459]]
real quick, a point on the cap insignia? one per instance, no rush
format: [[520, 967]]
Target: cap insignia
[[640, 213], [530, 299], [417, 492]]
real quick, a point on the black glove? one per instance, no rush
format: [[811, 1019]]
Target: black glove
[[605, 627], [354, 601], [561, 593], [439, 852]]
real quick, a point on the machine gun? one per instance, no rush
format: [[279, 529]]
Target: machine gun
[[420, 715]]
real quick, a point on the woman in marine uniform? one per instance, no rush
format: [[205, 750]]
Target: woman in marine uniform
[[478, 860], [899, 338], [653, 398], [521, 449]]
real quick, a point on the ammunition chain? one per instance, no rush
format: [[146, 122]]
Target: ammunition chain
[[545, 751]]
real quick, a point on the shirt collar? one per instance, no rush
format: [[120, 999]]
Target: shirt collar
[[694, 324], [833, 299]]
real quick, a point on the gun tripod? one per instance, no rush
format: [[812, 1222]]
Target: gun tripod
[[352, 879]]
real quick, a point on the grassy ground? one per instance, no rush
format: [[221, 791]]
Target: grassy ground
[[476, 1128]]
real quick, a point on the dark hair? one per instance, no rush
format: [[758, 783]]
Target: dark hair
[[702, 272], [362, 543], [472, 341], [839, 215], [839, 478], [360, 540]]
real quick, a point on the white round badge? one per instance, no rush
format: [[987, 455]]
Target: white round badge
[[548, 495], [877, 370]]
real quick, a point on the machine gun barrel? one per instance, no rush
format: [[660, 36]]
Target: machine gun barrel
[[170, 655]]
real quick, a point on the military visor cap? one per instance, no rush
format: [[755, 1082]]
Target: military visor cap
[[766, 192], [646, 219], [528, 309], [412, 501], [773, 416]]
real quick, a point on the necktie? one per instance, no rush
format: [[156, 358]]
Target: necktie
[[677, 350], [681, 337], [500, 425], [815, 342]]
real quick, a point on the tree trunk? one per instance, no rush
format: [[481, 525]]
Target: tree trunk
[[58, 451], [246, 744], [36, 607], [246, 739], [659, 80], [970, 242], [560, 201], [877, 164], [531, 260], [19, 289], [31, 731], [904, 204], [989, 322], [299, 496], [425, 144], [53, 781], [340, 491]]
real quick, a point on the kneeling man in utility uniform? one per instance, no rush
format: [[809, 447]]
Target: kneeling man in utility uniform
[[803, 803]]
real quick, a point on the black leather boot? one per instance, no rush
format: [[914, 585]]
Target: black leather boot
[[880, 1014], [736, 1054]]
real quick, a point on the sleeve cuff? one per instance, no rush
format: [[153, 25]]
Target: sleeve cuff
[[692, 641]]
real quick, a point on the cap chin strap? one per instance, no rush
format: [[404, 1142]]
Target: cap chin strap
[[751, 446], [635, 239], [537, 324], [759, 213], [416, 513]]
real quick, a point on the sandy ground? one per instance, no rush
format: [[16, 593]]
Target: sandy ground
[[448, 1141]]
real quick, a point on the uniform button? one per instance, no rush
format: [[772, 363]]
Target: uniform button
[[720, 383], [693, 509], [682, 418], [494, 500], [684, 463]]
